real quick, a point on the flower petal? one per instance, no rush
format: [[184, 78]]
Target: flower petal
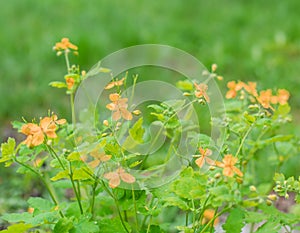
[[127, 178]]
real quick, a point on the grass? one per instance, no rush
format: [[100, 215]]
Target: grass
[[249, 40]]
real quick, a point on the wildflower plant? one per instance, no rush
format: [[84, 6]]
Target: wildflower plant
[[148, 168]]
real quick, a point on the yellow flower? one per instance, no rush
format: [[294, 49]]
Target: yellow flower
[[64, 44], [98, 158], [115, 84], [201, 91], [118, 175], [228, 166], [70, 82], [233, 89], [119, 107], [265, 98], [36, 133], [208, 215], [204, 153], [251, 88]]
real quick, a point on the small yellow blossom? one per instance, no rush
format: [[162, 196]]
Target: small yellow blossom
[[201, 91], [118, 175], [204, 153], [64, 44], [119, 107], [36, 133], [227, 164]]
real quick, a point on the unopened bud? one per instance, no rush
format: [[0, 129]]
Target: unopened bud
[[137, 112], [83, 73], [187, 94], [239, 180], [220, 78], [59, 53], [105, 122], [75, 53], [104, 134], [269, 203], [214, 67], [217, 176], [212, 168], [252, 188], [272, 197], [286, 196]]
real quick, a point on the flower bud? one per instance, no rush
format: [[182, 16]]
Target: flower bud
[[272, 197], [187, 94], [220, 78], [217, 176], [239, 180], [105, 122], [137, 112], [269, 203], [214, 67], [252, 188], [286, 196], [212, 168]]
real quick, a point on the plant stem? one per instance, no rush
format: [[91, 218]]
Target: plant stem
[[213, 219], [135, 209], [47, 185], [243, 140], [73, 109], [67, 60], [75, 189], [117, 205]]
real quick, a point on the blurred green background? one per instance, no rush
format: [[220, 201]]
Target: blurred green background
[[249, 40]]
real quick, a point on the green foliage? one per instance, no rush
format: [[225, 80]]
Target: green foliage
[[94, 182]]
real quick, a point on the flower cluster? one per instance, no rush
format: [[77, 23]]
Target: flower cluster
[[264, 97], [65, 45], [37, 133]]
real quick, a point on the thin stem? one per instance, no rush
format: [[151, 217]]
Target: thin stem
[[75, 189], [194, 215], [212, 225], [73, 109], [47, 185], [135, 209], [186, 218], [117, 205], [149, 225], [93, 197], [213, 219], [67, 60], [243, 140]]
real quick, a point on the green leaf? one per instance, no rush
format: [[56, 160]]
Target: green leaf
[[235, 221], [8, 151], [277, 138], [136, 134], [80, 174], [64, 225], [279, 177], [17, 125], [254, 217], [17, 217], [58, 84], [269, 226], [185, 85], [18, 228], [74, 156], [60, 175], [40, 204], [249, 118], [108, 225], [157, 108], [176, 201]]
